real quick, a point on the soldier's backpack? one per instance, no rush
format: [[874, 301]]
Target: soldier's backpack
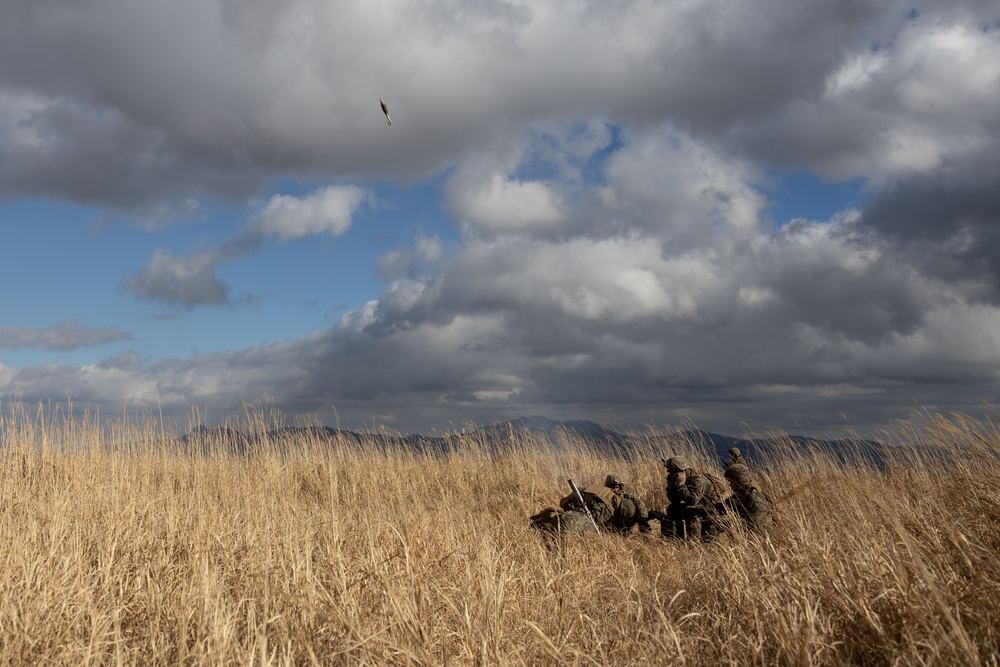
[[553, 519], [547, 519], [717, 490], [576, 523], [600, 492]]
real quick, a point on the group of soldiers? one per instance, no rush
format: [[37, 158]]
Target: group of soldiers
[[699, 506]]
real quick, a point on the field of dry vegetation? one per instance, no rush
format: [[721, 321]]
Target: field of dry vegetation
[[121, 549]]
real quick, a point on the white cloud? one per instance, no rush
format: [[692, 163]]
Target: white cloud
[[926, 98], [429, 248], [328, 210], [682, 191], [504, 205]]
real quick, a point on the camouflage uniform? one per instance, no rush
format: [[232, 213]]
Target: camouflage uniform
[[747, 501], [613, 509], [576, 522], [735, 458], [602, 502], [641, 513], [632, 511], [552, 520], [689, 502]]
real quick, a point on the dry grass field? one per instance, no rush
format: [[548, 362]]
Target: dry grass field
[[119, 549]]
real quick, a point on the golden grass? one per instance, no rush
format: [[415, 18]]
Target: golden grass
[[122, 550]]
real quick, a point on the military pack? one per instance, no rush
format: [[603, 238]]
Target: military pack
[[717, 489]]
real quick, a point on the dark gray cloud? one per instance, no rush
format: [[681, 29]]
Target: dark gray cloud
[[129, 103], [62, 336], [185, 281], [96, 156], [947, 222], [921, 98]]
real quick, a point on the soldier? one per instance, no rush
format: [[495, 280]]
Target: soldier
[[747, 502], [735, 458], [632, 511], [692, 495], [601, 502], [612, 510]]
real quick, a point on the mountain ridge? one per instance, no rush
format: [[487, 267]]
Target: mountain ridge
[[607, 440]]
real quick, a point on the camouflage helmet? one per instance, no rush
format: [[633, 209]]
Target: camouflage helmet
[[740, 474], [613, 479], [734, 452], [677, 463]]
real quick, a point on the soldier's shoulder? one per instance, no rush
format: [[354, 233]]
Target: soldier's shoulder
[[700, 478], [636, 500], [757, 498]]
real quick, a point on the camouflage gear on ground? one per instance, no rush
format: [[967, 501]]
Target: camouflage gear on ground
[[576, 523], [601, 501], [554, 520], [624, 518], [547, 518], [641, 512]]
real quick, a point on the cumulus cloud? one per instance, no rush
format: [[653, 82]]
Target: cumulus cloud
[[504, 205], [425, 252], [603, 165], [242, 91], [922, 99], [326, 211], [947, 222], [69, 335], [190, 280], [181, 281], [699, 311]]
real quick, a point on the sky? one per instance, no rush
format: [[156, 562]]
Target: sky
[[738, 216]]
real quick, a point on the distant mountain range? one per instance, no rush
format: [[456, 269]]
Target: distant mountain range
[[753, 449], [554, 433]]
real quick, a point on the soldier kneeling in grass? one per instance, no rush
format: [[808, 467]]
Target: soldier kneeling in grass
[[747, 503], [735, 457], [692, 497]]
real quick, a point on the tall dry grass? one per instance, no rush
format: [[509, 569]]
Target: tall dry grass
[[120, 548]]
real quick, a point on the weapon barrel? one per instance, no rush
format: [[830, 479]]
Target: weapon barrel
[[579, 497], [658, 516]]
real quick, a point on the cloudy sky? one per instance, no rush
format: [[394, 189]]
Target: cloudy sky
[[738, 215]]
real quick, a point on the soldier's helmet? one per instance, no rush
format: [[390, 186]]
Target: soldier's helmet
[[734, 452], [740, 474], [613, 479], [677, 463]]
